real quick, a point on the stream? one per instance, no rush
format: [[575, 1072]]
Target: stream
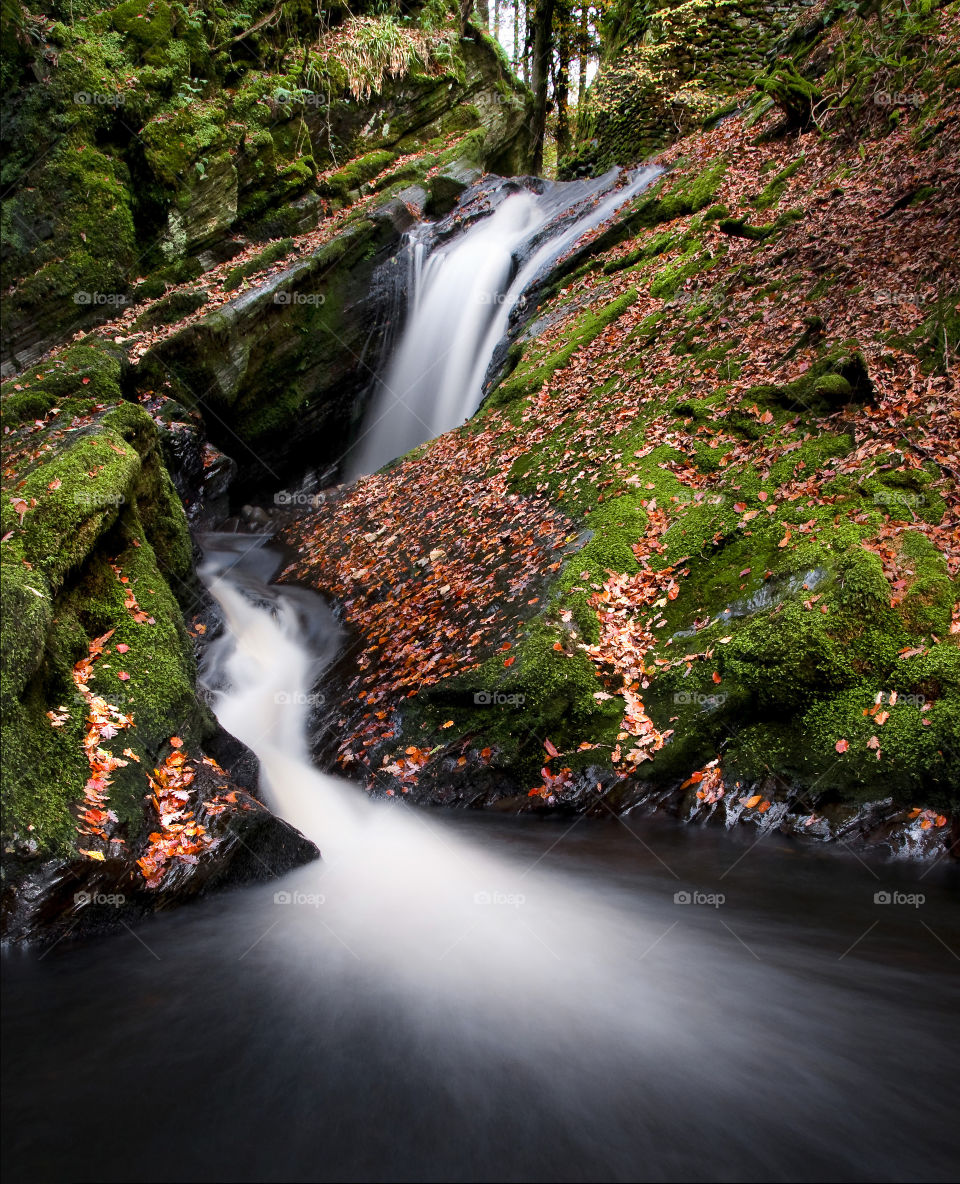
[[451, 997], [454, 997]]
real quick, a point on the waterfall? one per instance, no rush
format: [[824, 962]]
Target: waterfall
[[393, 884], [460, 300]]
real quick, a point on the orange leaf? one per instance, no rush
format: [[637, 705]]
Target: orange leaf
[[752, 801], [550, 747], [842, 745], [176, 742], [509, 661]]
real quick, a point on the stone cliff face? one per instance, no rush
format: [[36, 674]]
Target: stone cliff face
[[146, 147], [668, 66], [208, 227]]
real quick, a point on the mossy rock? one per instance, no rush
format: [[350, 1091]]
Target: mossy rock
[[172, 308]]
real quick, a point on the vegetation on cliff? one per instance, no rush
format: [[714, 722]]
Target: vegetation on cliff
[[740, 428], [700, 540]]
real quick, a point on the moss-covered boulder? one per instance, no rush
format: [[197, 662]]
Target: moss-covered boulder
[[98, 670]]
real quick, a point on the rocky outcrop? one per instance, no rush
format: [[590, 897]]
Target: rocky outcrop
[[699, 550], [135, 176], [109, 790], [279, 372], [667, 68]]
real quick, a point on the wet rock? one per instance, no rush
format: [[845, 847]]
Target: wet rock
[[72, 899]]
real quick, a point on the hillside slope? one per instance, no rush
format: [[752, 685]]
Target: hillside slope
[[706, 552]]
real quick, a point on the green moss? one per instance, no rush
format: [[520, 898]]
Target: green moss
[[530, 374], [771, 194], [341, 183], [667, 282], [149, 25], [740, 228], [265, 258], [552, 692], [112, 504], [172, 308]]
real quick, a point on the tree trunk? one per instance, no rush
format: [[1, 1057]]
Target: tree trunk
[[561, 87], [466, 8], [528, 13], [496, 20], [483, 10], [582, 60], [516, 35], [542, 51]]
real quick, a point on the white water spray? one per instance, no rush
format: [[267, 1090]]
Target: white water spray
[[395, 882], [460, 301]]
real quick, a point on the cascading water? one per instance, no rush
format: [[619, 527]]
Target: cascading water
[[460, 299], [263, 670], [455, 998], [419, 1005]]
